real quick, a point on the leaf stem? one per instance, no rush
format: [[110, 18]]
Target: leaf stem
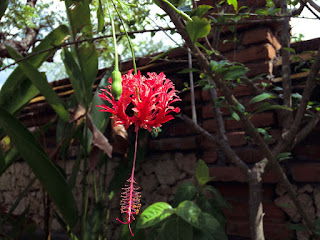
[[116, 62], [129, 40]]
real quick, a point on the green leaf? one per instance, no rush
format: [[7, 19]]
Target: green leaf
[[262, 97], [209, 224], [284, 156], [186, 191], [218, 197], [293, 51], [3, 7], [198, 28], [94, 224], [234, 3], [74, 73], [40, 81], [202, 173], [235, 72], [154, 214], [100, 16], [100, 119], [235, 115], [299, 227], [48, 175], [9, 159], [201, 10], [18, 90], [211, 206], [190, 212], [175, 228], [85, 54]]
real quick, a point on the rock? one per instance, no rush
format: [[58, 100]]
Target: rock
[[316, 196], [149, 183], [148, 166], [166, 172], [165, 190], [306, 188], [302, 235], [286, 204], [281, 189], [308, 205], [186, 162]]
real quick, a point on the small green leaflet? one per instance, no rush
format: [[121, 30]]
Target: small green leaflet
[[261, 97], [234, 3], [198, 28]]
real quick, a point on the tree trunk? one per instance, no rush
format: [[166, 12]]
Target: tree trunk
[[255, 206]]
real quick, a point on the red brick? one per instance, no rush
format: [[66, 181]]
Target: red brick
[[226, 44], [254, 53], [259, 68], [259, 120], [236, 138], [169, 144], [206, 96], [239, 227], [242, 90], [271, 177], [241, 209], [239, 191], [204, 143], [306, 172], [307, 152], [210, 155], [197, 96], [227, 174], [249, 155], [263, 119], [260, 35], [253, 3], [207, 111], [231, 124], [179, 129], [272, 211], [277, 231], [272, 230], [210, 125]]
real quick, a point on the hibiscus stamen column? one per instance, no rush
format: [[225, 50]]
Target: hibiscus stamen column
[[130, 202]]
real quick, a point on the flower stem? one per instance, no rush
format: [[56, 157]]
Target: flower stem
[[129, 40], [116, 64]]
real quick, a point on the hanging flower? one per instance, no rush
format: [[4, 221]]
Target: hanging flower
[[149, 102], [150, 99]]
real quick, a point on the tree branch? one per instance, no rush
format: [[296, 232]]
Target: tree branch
[[285, 68], [290, 135], [221, 143], [314, 5]]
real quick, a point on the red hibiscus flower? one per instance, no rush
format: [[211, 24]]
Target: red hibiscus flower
[[149, 101], [149, 98]]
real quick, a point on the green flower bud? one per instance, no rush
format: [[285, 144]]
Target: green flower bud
[[116, 88]]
